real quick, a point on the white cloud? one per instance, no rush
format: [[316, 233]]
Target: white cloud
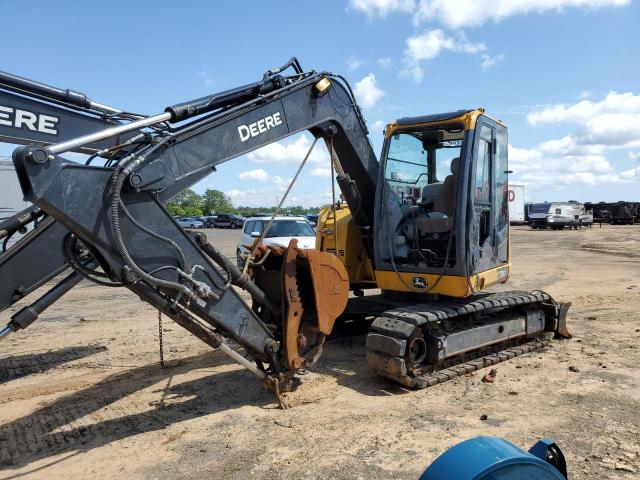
[[537, 167], [490, 62], [471, 13], [532, 159], [381, 8], [385, 62], [582, 111], [612, 122], [267, 196], [541, 167], [264, 189], [378, 126], [354, 63], [367, 91], [585, 94], [631, 175], [258, 174], [568, 145], [468, 13], [290, 152], [429, 45], [634, 155], [611, 129], [206, 77], [254, 197], [320, 172], [413, 71]]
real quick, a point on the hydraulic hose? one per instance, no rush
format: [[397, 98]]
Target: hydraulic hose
[[238, 278], [117, 182]]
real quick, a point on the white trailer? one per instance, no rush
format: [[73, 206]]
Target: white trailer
[[516, 204], [558, 215]]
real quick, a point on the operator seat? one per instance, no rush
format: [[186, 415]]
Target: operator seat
[[440, 219], [430, 192]]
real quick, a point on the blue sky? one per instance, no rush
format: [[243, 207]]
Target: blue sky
[[563, 74]]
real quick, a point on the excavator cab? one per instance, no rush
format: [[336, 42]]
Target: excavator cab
[[443, 224]]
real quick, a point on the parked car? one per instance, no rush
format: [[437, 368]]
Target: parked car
[[208, 220], [189, 222], [226, 220], [281, 232]]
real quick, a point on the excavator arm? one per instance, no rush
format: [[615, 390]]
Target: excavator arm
[[116, 213], [31, 112]]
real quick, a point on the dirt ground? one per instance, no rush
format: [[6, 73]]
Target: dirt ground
[[82, 394]]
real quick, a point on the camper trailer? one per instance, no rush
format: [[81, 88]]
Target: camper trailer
[[558, 215]]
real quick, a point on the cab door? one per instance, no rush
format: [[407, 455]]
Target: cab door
[[489, 194]]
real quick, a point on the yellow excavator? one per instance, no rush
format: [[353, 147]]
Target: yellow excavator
[[421, 234], [441, 238]]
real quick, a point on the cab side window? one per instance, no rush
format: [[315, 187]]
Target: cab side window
[[483, 171], [501, 194], [502, 187], [482, 187], [248, 228]]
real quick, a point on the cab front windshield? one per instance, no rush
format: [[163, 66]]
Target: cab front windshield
[[418, 158], [419, 201]]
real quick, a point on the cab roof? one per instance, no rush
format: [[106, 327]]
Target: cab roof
[[467, 116], [436, 117]]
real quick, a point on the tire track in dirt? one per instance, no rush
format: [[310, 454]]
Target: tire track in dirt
[[21, 365]]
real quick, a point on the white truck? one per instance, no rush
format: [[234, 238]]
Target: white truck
[[516, 204]]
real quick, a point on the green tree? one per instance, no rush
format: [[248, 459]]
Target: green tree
[[297, 210], [186, 204], [215, 201]]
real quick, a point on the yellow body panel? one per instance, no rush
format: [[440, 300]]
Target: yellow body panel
[[350, 249], [449, 285]]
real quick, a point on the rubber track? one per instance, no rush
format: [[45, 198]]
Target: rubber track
[[449, 373], [422, 314]]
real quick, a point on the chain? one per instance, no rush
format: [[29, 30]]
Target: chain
[[161, 341]]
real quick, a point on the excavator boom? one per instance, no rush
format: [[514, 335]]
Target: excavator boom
[[115, 215]]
